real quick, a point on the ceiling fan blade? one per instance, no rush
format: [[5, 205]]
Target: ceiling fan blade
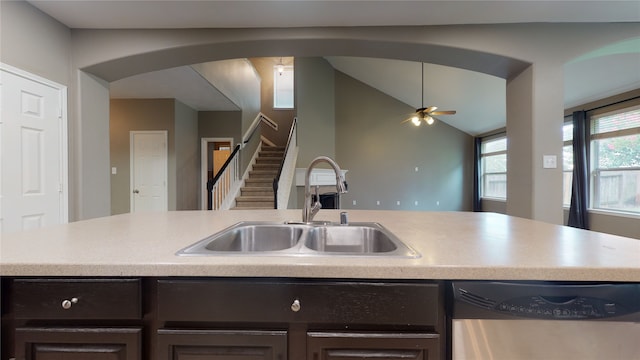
[[431, 108], [443, 112], [407, 120]]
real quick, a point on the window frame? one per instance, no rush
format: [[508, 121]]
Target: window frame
[[277, 91], [596, 171], [483, 173]]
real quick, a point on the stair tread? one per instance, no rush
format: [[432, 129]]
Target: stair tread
[[257, 192], [252, 207], [254, 198]]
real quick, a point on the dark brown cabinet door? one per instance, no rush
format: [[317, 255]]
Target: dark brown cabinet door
[[221, 345], [378, 346], [78, 343]]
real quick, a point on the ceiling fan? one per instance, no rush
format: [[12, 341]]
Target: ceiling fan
[[426, 114]]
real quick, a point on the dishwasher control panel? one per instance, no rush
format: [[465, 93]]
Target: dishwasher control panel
[[541, 307], [545, 300]]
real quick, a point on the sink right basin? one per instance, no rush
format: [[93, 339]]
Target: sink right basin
[[357, 239]]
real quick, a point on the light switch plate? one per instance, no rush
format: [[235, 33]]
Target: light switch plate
[[549, 161]]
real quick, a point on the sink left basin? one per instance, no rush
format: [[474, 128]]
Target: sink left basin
[[249, 237]]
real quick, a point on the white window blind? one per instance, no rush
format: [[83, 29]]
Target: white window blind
[[618, 123]]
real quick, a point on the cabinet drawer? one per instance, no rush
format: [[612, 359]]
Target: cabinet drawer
[[223, 301], [318, 302], [94, 299], [369, 303]]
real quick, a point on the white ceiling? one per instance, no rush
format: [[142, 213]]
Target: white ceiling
[[448, 88], [182, 83], [151, 14]]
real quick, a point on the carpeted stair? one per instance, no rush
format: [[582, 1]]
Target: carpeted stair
[[257, 192]]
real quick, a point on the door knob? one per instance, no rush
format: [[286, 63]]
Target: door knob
[[67, 304], [295, 306]]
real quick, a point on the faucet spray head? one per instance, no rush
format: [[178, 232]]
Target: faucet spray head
[[343, 188]]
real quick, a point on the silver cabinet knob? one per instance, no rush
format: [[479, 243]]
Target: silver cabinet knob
[[67, 304], [295, 306], [136, 191]]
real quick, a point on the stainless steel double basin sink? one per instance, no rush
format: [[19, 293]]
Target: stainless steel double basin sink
[[283, 239]]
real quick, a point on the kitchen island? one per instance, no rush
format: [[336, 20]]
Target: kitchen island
[[113, 288], [452, 245]]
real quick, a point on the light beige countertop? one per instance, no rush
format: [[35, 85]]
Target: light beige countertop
[[453, 245]]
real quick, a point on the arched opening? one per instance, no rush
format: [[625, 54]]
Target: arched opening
[[418, 196]]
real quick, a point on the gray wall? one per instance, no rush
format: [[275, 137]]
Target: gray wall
[[496, 206], [360, 127], [520, 157], [314, 84], [131, 115], [88, 149], [220, 124], [614, 224], [187, 157], [238, 81], [33, 41], [382, 154], [283, 117]]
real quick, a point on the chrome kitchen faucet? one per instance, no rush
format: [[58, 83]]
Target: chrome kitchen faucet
[[309, 210]]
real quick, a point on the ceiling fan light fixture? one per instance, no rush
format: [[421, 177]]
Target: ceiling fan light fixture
[[426, 113], [429, 120]]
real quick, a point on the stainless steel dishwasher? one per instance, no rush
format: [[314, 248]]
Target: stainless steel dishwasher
[[545, 320]]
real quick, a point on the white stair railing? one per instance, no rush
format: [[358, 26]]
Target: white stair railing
[[226, 181], [283, 181]]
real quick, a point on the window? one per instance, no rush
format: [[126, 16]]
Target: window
[[615, 160], [567, 162], [493, 167], [283, 87]]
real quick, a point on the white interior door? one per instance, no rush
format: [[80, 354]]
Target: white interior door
[[33, 142], [149, 171]]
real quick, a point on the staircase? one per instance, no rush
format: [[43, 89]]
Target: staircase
[[257, 192]]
